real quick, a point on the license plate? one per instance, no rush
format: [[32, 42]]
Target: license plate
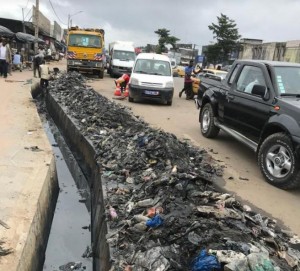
[[151, 92]]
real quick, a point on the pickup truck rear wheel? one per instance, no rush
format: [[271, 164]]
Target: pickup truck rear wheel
[[208, 128], [278, 161]]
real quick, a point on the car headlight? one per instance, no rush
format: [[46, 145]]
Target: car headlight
[[169, 84], [134, 81]]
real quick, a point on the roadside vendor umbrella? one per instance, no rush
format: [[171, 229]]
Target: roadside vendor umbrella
[[5, 32], [24, 37]]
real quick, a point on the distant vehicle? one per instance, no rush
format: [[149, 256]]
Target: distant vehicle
[[208, 73], [85, 50], [122, 56], [226, 68], [258, 104], [175, 55], [219, 73], [179, 71], [151, 79], [174, 67]]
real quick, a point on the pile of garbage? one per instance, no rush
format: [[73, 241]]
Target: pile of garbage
[[3, 250], [163, 212]]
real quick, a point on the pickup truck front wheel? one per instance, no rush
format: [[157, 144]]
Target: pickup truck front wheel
[[208, 128], [278, 162]]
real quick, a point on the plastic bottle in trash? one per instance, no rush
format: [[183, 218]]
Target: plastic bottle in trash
[[113, 214], [145, 203]]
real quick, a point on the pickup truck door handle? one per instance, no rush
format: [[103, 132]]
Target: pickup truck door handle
[[230, 97]]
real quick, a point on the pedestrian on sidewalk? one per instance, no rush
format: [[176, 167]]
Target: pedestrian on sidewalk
[[45, 75], [5, 58]]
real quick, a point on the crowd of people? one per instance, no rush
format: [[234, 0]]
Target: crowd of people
[[11, 60]]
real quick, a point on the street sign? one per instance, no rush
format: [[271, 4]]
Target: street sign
[[200, 58]]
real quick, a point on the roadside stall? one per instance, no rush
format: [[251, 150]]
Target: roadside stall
[[29, 39]]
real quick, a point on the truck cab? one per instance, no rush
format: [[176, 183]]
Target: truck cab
[[85, 50]]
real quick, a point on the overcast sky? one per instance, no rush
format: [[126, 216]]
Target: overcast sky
[[136, 20]]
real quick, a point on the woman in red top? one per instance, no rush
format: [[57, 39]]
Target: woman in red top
[[123, 81]]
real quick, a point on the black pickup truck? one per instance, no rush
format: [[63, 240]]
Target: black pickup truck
[[258, 103]]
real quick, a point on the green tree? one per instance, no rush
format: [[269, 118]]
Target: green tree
[[226, 33], [164, 39], [213, 54]]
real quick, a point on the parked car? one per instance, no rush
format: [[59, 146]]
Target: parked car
[[258, 104], [151, 79], [208, 73]]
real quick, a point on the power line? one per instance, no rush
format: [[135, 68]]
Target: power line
[[56, 13], [27, 15], [27, 4]]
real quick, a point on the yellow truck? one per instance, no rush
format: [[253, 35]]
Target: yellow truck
[[86, 51]]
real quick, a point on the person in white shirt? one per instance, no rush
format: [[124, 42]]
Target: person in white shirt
[[5, 58], [49, 52], [45, 75]]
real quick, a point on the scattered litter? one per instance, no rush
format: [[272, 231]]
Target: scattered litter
[[33, 148], [2, 223], [4, 251], [206, 262], [154, 222], [243, 178]]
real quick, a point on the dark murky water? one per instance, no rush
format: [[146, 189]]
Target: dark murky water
[[70, 235]]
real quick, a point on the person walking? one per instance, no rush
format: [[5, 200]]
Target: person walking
[[44, 74], [37, 61], [188, 82], [5, 58]]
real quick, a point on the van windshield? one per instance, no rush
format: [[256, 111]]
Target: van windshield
[[152, 66], [123, 55]]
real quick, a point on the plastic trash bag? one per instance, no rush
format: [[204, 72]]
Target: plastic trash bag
[[206, 262], [154, 222]]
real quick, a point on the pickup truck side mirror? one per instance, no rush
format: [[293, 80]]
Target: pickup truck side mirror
[[261, 91]]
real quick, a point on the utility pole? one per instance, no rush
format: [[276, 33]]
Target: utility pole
[[68, 21], [23, 23], [36, 27]]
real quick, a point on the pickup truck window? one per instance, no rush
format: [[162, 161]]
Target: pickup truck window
[[236, 68], [288, 80], [249, 77]]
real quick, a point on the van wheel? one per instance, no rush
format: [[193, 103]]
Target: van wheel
[[169, 102], [130, 99], [278, 161], [208, 127]]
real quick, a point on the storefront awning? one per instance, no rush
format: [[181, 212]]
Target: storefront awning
[[5, 32], [24, 37]]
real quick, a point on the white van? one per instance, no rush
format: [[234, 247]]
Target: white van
[[122, 56], [151, 78]]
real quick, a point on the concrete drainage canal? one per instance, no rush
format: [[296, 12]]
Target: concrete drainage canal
[[69, 243], [152, 204]]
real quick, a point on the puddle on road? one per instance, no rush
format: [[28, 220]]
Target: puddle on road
[[70, 235]]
